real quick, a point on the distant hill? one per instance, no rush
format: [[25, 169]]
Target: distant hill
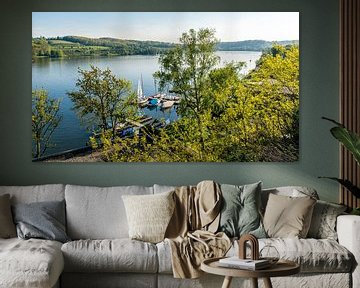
[[78, 46], [251, 45]]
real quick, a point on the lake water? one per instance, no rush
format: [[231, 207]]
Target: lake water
[[59, 76]]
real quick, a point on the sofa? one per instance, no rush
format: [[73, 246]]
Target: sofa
[[100, 253]]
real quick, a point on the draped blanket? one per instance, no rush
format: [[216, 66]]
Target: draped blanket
[[191, 231]]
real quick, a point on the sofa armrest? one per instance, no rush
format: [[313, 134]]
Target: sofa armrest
[[348, 230]]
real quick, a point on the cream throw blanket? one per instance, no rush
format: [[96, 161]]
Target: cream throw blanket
[[191, 231]]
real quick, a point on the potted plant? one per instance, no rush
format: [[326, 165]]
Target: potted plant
[[351, 141]]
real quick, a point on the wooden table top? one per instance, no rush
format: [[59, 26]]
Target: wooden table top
[[281, 268]]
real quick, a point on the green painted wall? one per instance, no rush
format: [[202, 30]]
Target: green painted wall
[[319, 97]]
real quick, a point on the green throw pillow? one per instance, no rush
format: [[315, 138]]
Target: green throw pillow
[[240, 213]]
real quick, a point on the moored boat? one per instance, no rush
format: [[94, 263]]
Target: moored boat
[[152, 102], [142, 101], [167, 104]]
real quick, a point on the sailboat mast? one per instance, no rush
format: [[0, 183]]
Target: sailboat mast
[[140, 90]]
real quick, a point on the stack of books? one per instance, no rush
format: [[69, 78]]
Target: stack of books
[[248, 264]]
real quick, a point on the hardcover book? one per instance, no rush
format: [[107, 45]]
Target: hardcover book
[[236, 262]]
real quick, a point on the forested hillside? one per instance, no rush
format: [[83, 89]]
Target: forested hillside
[[77, 46], [251, 45]]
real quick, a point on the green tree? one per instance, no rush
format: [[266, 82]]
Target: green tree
[[103, 99], [56, 53], [186, 69], [275, 83], [243, 118], [45, 119]]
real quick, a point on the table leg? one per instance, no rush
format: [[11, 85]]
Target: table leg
[[267, 283], [227, 282], [254, 282]]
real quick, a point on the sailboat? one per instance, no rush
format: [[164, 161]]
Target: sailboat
[[142, 101]]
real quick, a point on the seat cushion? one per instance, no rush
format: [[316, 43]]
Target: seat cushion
[[30, 263], [98, 213], [117, 255], [313, 255]]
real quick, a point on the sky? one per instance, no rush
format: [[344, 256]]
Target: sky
[[167, 26]]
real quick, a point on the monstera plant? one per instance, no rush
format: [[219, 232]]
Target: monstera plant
[[351, 141]]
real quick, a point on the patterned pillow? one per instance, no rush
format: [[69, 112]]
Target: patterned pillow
[[149, 215], [323, 222]]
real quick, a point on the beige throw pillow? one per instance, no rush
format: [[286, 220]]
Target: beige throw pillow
[[7, 226], [148, 215], [288, 217]]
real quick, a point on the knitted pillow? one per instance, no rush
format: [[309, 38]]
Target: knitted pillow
[[149, 215]]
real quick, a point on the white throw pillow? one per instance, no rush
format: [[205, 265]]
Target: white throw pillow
[[149, 215]]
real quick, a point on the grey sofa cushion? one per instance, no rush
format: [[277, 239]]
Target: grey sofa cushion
[[44, 220], [98, 213], [34, 193], [117, 255], [163, 188], [30, 263]]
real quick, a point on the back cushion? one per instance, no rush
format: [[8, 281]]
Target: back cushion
[[98, 213], [35, 193], [163, 188]]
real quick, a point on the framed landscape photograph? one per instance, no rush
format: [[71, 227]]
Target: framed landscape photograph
[[165, 86]]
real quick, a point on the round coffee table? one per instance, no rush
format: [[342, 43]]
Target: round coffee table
[[281, 268]]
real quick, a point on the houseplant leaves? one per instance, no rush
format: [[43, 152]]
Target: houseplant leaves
[[351, 141], [348, 138]]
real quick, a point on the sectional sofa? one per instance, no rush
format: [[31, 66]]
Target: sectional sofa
[[100, 253]]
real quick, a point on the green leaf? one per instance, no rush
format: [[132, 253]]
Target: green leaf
[[347, 184], [348, 138]]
